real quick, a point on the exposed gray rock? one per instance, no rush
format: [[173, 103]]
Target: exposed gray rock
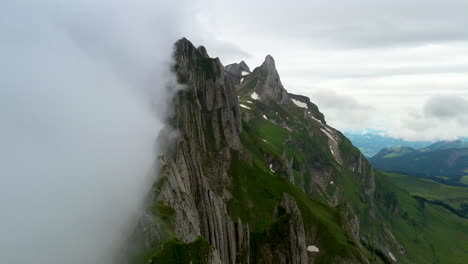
[[353, 222], [312, 110], [269, 86], [176, 192], [290, 248], [207, 117], [237, 71]]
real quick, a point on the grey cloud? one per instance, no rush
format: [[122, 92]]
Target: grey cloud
[[331, 99], [83, 85], [357, 24], [389, 54], [440, 118], [417, 122], [233, 53], [383, 71], [343, 110], [447, 107]]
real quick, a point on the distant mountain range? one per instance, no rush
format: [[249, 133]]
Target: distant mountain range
[[372, 141], [445, 161]]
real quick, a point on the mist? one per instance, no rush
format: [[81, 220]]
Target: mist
[[83, 95]]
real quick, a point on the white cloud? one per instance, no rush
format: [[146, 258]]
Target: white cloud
[[440, 117], [343, 110], [447, 108], [78, 87], [391, 56]]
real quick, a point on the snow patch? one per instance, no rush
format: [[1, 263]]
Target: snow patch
[[328, 134], [391, 256], [242, 80], [331, 149], [332, 182], [289, 129], [271, 168], [254, 96], [320, 121], [265, 117], [299, 103], [312, 249], [244, 73], [264, 140], [244, 106]]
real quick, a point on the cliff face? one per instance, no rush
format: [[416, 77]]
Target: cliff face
[[269, 86], [284, 242], [237, 71], [257, 176], [207, 116]]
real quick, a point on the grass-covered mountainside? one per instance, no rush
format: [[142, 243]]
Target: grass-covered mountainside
[[255, 175], [370, 144], [445, 162], [454, 198], [455, 144]]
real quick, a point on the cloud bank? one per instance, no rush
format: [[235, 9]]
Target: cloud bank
[[82, 99], [444, 115], [447, 108], [390, 55], [345, 111]]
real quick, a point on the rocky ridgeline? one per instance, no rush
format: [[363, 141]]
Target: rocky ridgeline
[[191, 198], [237, 71], [269, 86]]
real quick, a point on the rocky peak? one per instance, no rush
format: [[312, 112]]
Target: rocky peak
[[216, 109], [244, 66], [238, 68], [292, 246], [237, 71], [203, 51], [269, 86], [269, 62]]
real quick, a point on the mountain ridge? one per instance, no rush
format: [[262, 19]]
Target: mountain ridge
[[444, 161], [371, 143], [256, 177]]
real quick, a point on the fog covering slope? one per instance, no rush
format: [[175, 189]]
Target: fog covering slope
[[82, 99]]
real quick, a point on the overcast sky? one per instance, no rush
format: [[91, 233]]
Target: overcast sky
[[401, 66], [82, 98]]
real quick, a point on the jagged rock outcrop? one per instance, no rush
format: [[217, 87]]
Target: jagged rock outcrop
[[352, 220], [214, 107], [311, 110], [238, 71], [285, 241], [207, 117], [269, 86]]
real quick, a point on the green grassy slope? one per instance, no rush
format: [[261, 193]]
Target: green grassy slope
[[371, 144], [427, 233], [257, 191], [443, 165], [454, 196]]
